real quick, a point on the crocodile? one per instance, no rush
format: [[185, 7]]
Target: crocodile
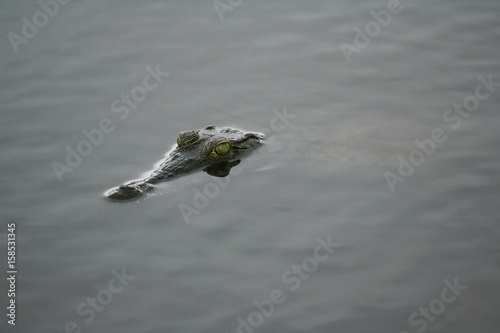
[[212, 149]]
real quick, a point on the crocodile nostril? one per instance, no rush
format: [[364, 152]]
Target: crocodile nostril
[[254, 136]]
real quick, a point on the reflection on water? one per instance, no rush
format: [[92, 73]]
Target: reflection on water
[[214, 251], [221, 169]]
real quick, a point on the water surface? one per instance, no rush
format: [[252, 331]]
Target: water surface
[[321, 173]]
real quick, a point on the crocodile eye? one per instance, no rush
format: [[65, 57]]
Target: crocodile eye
[[223, 149], [187, 137]]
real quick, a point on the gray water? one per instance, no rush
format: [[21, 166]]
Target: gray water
[[320, 177]]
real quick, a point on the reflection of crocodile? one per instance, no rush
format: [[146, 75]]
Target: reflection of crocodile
[[215, 150]]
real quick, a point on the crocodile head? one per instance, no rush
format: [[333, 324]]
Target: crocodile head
[[212, 149]]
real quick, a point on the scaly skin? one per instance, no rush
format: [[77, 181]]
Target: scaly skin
[[213, 149]]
